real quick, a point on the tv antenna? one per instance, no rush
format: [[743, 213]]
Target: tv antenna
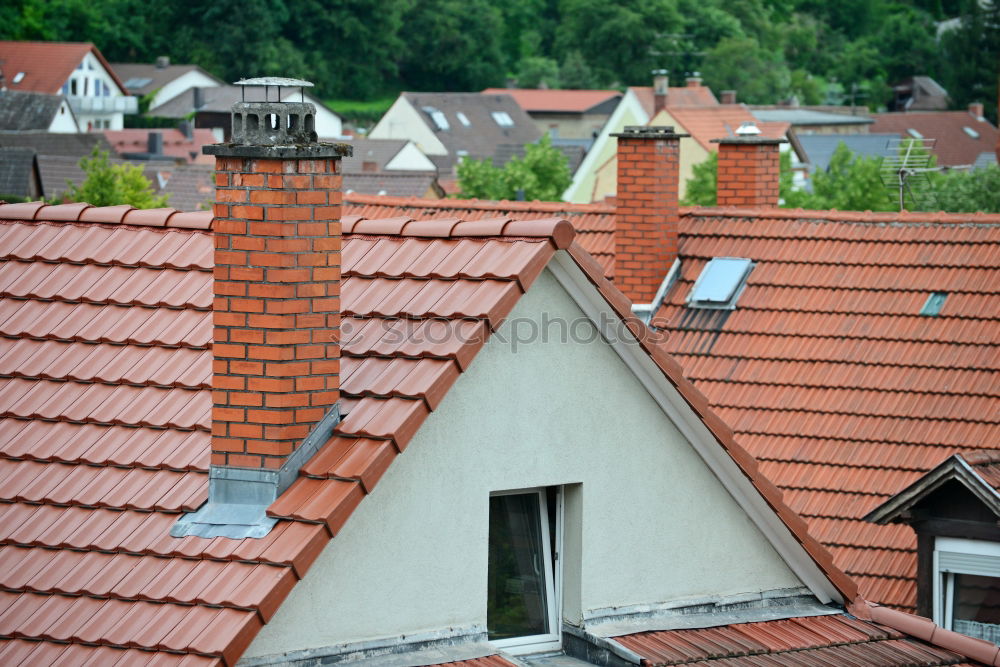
[[905, 170]]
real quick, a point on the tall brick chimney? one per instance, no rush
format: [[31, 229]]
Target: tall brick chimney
[[276, 351], [748, 170], [661, 89], [647, 218]]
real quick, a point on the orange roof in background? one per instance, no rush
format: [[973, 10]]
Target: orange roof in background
[[552, 100], [175, 143], [828, 373], [719, 121], [105, 370], [685, 96], [46, 65], [954, 146]]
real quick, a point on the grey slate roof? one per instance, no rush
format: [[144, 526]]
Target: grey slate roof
[[798, 117], [17, 168], [574, 153], [379, 151], [394, 183], [56, 170], [20, 111], [819, 148], [483, 136], [50, 143], [144, 78], [218, 99]]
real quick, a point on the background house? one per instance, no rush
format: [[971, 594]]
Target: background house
[[211, 108], [962, 138], [38, 112], [161, 81], [564, 114], [449, 126], [77, 71]]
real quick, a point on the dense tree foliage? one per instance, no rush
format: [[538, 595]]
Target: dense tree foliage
[[767, 50], [108, 184], [853, 183], [542, 174]]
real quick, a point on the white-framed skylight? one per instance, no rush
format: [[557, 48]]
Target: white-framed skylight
[[913, 133], [462, 118], [968, 130], [720, 284], [19, 77], [502, 118], [440, 120]]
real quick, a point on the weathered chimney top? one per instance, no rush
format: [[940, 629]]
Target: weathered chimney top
[[275, 129], [649, 132]]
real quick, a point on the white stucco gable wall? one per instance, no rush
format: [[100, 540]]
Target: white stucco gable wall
[[647, 520], [190, 79], [64, 122], [410, 158], [628, 112], [403, 121]]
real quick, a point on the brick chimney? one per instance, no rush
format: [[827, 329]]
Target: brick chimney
[[748, 169], [976, 110], [661, 89], [694, 80], [647, 219], [727, 97], [276, 352]]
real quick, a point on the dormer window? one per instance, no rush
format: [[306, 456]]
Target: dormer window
[[967, 586], [721, 283]]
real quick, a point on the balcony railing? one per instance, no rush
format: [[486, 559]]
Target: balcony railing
[[124, 104]]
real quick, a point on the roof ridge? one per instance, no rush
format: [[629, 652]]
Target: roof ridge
[[125, 214], [834, 215], [477, 204], [926, 630], [557, 230]]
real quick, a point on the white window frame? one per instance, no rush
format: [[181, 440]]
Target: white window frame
[[551, 641], [944, 581]]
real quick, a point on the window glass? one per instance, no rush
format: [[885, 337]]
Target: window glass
[[502, 118], [720, 282], [517, 603], [976, 606]]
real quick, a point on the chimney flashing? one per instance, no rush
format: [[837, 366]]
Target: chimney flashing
[[238, 498], [749, 140]]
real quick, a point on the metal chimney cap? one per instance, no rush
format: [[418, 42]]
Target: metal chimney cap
[[747, 128], [660, 72], [284, 82]]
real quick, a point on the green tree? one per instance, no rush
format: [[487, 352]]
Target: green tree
[[619, 40], [849, 183], [969, 56], [109, 184], [759, 76], [452, 45], [574, 72], [543, 174], [538, 72], [702, 185], [968, 191]]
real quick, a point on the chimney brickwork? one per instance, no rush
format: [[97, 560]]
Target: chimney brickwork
[[647, 217], [277, 306], [748, 171]]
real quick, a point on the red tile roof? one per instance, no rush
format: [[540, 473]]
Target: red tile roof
[[594, 223], [106, 424], [812, 640], [683, 96], [175, 143], [719, 121], [47, 65], [954, 146], [828, 373], [555, 101]]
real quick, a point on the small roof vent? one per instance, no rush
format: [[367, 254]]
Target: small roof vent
[[721, 283], [934, 304], [747, 128]]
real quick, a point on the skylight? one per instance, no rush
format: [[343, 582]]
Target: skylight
[[913, 133], [502, 118], [934, 303], [720, 284], [968, 130], [20, 76], [463, 119], [440, 120], [138, 82]]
